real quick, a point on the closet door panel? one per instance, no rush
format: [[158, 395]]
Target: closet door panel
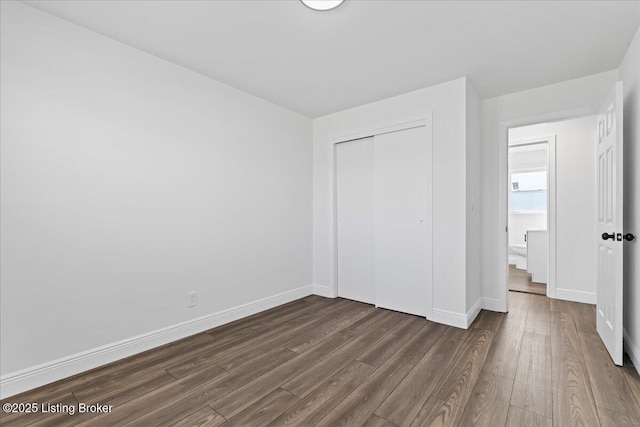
[[402, 220], [354, 175]]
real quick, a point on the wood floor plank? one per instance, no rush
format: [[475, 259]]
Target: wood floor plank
[[205, 417], [404, 403], [502, 358], [276, 337], [334, 361], [189, 350], [264, 410], [28, 418], [453, 332], [426, 337], [281, 313], [310, 312], [489, 402], [354, 313], [356, 408], [130, 367], [236, 357], [488, 320], [608, 382], [633, 378], [139, 407], [186, 366], [584, 317], [532, 388], [573, 398], [107, 385], [538, 316], [277, 316], [438, 413], [115, 398], [307, 381], [609, 418], [565, 342], [458, 382], [217, 388], [518, 417], [310, 410], [573, 403], [237, 400], [380, 352], [526, 285], [40, 395], [517, 272], [520, 281], [358, 328], [558, 305], [535, 343], [376, 421], [519, 305]]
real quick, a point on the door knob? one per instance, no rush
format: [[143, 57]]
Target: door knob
[[606, 236], [628, 237]]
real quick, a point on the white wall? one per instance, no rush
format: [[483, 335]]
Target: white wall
[[473, 199], [629, 74], [447, 103], [529, 159], [128, 181], [559, 101], [576, 227]]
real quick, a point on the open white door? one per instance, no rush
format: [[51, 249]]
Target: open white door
[[610, 243]]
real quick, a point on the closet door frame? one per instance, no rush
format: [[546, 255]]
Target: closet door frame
[[393, 126]]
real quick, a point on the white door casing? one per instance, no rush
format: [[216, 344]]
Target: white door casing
[[609, 293]]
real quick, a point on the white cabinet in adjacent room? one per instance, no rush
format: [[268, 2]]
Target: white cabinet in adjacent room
[[538, 255]]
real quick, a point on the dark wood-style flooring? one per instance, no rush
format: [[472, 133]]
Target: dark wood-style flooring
[[331, 362], [520, 281]]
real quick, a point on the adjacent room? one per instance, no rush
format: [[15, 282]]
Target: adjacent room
[[528, 214], [319, 212]]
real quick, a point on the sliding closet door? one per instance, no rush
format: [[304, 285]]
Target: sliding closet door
[[402, 220], [354, 160]]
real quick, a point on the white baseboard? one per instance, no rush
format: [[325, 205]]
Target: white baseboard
[[323, 291], [451, 318], [575, 296], [473, 312], [36, 376], [632, 350], [493, 304]]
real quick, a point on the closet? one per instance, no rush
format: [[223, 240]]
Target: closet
[[383, 212]]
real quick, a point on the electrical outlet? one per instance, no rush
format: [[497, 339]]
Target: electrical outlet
[[192, 299]]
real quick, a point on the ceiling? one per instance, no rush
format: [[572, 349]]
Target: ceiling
[[317, 63]]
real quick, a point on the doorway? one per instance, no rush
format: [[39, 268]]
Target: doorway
[[531, 209], [551, 209]]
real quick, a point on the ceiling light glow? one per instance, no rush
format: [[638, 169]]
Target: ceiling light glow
[[322, 4]]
